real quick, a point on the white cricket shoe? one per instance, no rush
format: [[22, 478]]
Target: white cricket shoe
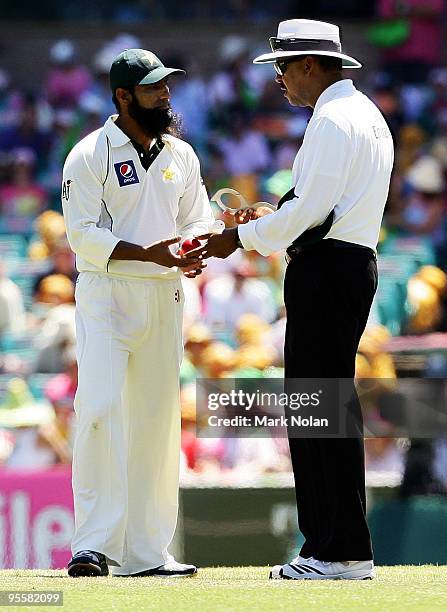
[[171, 569], [312, 569]]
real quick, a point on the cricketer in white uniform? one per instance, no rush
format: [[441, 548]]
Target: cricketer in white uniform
[[125, 186], [329, 224]]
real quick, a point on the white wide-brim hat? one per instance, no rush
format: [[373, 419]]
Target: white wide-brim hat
[[306, 37]]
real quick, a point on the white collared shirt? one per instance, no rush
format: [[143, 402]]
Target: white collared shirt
[[344, 164], [108, 196]]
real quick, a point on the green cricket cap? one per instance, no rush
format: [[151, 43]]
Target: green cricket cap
[[138, 67]]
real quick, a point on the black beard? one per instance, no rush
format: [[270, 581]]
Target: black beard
[[153, 121]]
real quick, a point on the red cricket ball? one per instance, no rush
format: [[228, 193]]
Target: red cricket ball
[[188, 245]]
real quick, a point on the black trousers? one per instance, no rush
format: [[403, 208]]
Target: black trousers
[[328, 293]]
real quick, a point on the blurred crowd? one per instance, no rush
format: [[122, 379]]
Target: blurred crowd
[[246, 136]]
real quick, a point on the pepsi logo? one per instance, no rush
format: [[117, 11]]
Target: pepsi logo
[[126, 170], [126, 173]]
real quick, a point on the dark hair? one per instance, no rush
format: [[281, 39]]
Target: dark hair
[[329, 63], [115, 99]]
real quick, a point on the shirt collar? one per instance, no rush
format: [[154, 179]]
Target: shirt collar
[[116, 136], [339, 89]]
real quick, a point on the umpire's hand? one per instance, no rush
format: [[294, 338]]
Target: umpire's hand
[[217, 245], [244, 215]]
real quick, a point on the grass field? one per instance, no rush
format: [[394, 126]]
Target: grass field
[[241, 588]]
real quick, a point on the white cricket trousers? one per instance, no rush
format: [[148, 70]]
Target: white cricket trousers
[[127, 444]]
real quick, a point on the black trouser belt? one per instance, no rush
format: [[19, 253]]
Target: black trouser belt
[[328, 243]]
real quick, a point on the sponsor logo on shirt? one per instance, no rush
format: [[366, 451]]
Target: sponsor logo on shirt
[[126, 173]]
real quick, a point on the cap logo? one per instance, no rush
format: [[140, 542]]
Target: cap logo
[[150, 57], [126, 173]]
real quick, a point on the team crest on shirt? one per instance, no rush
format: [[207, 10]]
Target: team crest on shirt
[[126, 173], [168, 174]]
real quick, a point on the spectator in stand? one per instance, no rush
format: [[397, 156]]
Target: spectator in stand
[[67, 79], [57, 331], [11, 102], [50, 227], [22, 198], [62, 262], [189, 98], [197, 338], [56, 290], [421, 211], [253, 361], [232, 85], [246, 153], [91, 111], [60, 391], [229, 297], [12, 311], [255, 344], [426, 298], [20, 412], [218, 361], [25, 132], [410, 140], [251, 330], [434, 113], [411, 60], [65, 132]]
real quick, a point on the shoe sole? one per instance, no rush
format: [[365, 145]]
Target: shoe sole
[[174, 576], [338, 577], [78, 570], [142, 575], [355, 575]]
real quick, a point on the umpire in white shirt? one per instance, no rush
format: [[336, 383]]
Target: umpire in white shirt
[[329, 224]]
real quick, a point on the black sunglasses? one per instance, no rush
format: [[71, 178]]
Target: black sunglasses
[[281, 66]]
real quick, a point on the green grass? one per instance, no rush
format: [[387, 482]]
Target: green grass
[[404, 588]]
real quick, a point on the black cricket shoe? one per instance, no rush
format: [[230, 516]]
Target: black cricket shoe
[[88, 563], [171, 569]]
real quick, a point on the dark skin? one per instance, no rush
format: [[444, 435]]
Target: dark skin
[[150, 96], [303, 82]]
